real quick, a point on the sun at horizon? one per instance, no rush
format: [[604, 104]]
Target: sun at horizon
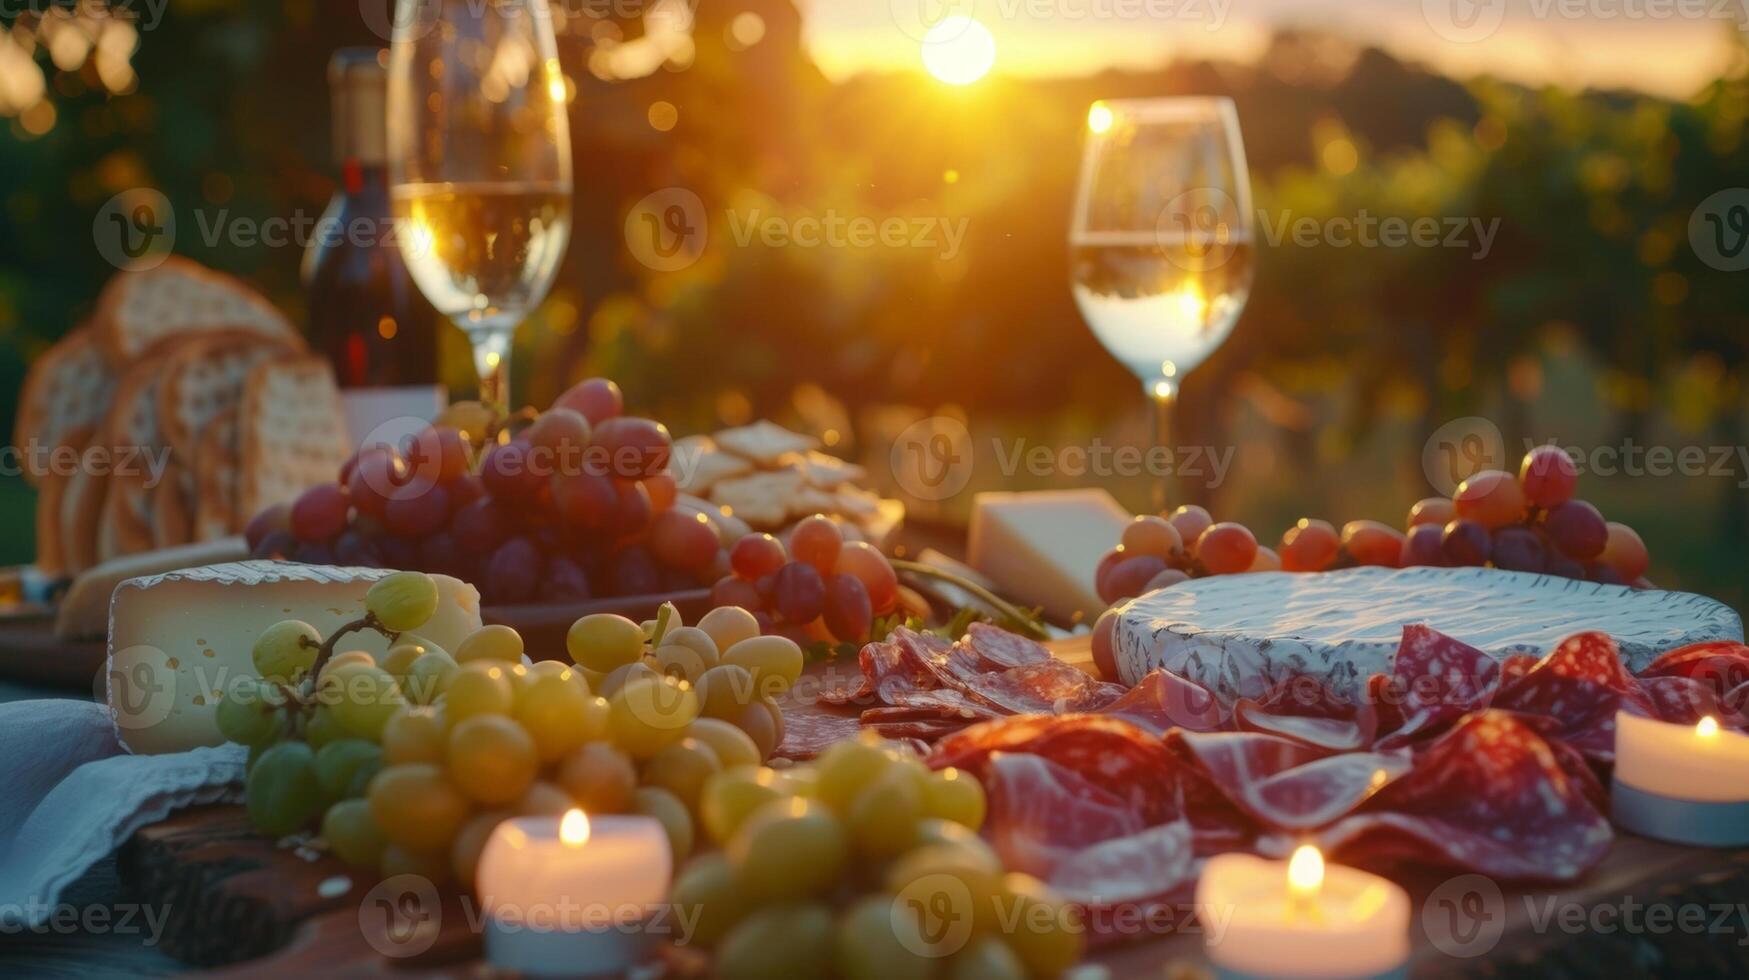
[[959, 51]]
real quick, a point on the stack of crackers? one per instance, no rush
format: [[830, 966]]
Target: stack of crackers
[[770, 477], [185, 405]]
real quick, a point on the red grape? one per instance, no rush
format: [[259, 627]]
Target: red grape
[[1226, 548], [596, 399], [1466, 542], [1266, 561], [564, 581], [1518, 549], [865, 561], [375, 476], [848, 611], [1548, 476], [317, 553], [1625, 553], [353, 548], [584, 500], [512, 573], [683, 540], [634, 572], [1605, 575], [275, 544], [798, 592], [1559, 564], [1105, 645], [480, 527], [1150, 535], [275, 518], [1491, 498], [438, 454], [1190, 521], [412, 513], [816, 540], [562, 436], [1577, 529], [662, 491], [507, 474], [464, 492], [1129, 578], [732, 591], [441, 554], [756, 556], [632, 512], [1309, 546], [351, 464], [397, 552], [319, 513], [1103, 570], [1432, 510], [1166, 580], [1423, 545], [1372, 543], [631, 448]]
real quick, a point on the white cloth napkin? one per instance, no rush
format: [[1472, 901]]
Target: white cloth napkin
[[70, 794]]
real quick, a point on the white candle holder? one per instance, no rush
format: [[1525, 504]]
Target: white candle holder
[[1696, 822], [535, 952]]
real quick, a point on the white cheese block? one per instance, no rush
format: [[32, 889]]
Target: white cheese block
[[1041, 548], [1239, 634], [179, 640]]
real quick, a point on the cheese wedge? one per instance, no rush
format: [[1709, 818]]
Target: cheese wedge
[[180, 640], [1042, 548]]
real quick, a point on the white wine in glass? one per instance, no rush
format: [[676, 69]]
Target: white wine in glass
[[480, 166], [1160, 244]]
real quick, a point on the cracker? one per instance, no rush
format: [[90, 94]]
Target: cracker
[[291, 432], [764, 442], [823, 471], [68, 389], [761, 499], [698, 471], [138, 311], [812, 500]]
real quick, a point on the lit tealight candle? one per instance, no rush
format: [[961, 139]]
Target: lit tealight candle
[[1682, 783], [570, 896], [1301, 919]]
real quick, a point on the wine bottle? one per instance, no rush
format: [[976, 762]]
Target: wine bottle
[[366, 314]]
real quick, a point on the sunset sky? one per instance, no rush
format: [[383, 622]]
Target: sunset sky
[[1611, 43]]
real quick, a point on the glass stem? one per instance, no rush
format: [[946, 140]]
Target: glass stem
[[1163, 395], [492, 363]]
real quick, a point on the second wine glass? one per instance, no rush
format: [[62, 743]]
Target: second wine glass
[[480, 166]]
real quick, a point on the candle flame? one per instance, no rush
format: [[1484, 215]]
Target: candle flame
[[1305, 873], [574, 828], [1100, 117], [1708, 727]]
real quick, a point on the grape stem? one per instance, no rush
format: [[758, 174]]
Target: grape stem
[[1024, 622], [366, 622]]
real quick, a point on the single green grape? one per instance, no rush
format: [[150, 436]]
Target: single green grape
[[706, 889], [671, 813], [494, 642], [682, 768], [286, 649], [345, 766], [772, 660], [730, 796], [559, 713], [429, 677], [733, 746], [417, 808], [481, 687], [883, 816], [846, 767], [604, 641], [954, 795], [789, 848], [648, 714], [794, 939], [352, 834], [369, 698], [416, 733], [282, 793], [248, 719], [491, 759], [402, 600], [877, 941]]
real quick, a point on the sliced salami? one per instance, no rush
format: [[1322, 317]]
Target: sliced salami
[[1330, 734], [1042, 813], [998, 649], [1163, 700], [1491, 797], [1437, 680], [1574, 693], [1122, 758], [1288, 785], [1721, 665], [807, 734]]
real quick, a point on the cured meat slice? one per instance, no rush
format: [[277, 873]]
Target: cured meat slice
[[1577, 689], [1051, 686], [1491, 797], [1723, 665], [1041, 813], [1163, 700], [1148, 866], [807, 734], [1438, 680], [998, 649], [944, 700], [1287, 785], [1516, 666], [1113, 754], [1686, 700], [1332, 734]]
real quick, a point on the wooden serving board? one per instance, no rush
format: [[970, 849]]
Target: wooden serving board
[[237, 899]]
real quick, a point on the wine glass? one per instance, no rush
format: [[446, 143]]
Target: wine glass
[[1161, 239], [479, 165]]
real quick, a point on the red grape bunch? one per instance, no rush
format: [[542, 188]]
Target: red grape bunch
[[576, 503], [820, 588], [1157, 552]]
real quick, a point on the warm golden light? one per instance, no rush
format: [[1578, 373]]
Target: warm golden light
[[959, 51], [1100, 117], [1708, 727], [1305, 874], [574, 828]]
